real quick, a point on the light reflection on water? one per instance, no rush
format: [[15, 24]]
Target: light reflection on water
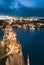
[[32, 42]]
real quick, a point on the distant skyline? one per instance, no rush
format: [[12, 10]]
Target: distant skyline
[[25, 8]]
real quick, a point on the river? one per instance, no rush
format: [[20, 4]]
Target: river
[[32, 41]]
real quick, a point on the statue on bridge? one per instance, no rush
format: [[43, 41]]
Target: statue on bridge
[[11, 48]]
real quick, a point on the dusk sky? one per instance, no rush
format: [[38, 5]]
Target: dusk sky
[[26, 8]]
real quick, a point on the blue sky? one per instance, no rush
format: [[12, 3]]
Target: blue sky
[[20, 7], [33, 3], [27, 3]]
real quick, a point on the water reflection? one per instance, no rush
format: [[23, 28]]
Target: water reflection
[[32, 41], [1, 34]]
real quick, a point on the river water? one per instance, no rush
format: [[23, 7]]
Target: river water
[[32, 41]]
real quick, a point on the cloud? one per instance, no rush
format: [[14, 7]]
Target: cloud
[[21, 8], [33, 3], [28, 3]]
